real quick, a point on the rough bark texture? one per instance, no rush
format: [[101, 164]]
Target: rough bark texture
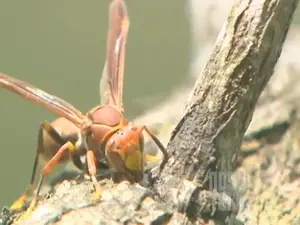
[[205, 144], [269, 176], [206, 141]]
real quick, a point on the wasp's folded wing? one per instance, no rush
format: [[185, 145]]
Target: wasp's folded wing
[[113, 72], [104, 88], [51, 102]]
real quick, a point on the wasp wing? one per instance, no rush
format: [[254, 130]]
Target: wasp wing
[[104, 89], [34, 94], [113, 73]]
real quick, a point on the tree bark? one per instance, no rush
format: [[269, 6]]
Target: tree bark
[[194, 184], [205, 143]]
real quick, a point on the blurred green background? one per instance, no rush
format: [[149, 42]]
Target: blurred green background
[[59, 46]]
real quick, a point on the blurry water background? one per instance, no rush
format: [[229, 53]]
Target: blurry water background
[[59, 46]]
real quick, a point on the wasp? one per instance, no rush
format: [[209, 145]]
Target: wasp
[[103, 132]]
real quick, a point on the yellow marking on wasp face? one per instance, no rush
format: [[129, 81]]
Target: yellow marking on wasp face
[[133, 159]]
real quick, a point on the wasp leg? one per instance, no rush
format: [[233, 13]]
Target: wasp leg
[[19, 203], [46, 170], [61, 140], [91, 163]]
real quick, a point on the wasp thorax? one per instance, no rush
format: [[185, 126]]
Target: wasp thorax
[[105, 115], [105, 121]]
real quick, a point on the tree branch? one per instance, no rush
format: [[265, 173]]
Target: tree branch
[[206, 141]]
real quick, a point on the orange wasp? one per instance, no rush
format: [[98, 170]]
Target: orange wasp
[[103, 132]]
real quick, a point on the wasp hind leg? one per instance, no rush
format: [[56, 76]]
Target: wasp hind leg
[[65, 145], [46, 171], [20, 202]]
